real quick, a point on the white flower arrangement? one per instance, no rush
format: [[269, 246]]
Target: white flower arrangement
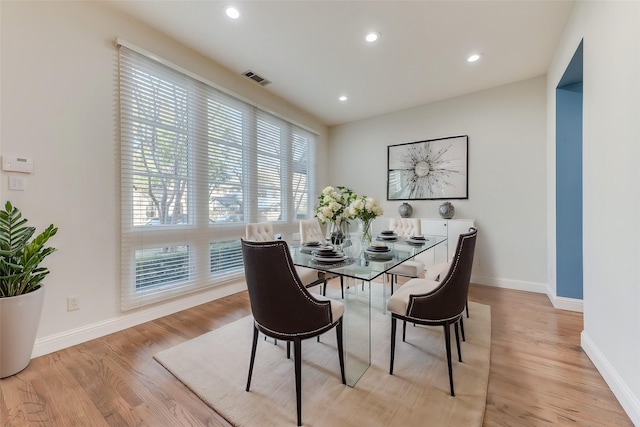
[[342, 204], [365, 208], [333, 204]]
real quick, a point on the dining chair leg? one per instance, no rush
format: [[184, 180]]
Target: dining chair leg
[[404, 330], [342, 286], [393, 344], [253, 356], [324, 289], [455, 327], [447, 341], [340, 350], [462, 330], [297, 354], [275, 341], [467, 307], [288, 349]]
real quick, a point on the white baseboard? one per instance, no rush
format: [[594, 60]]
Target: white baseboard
[[519, 285], [49, 344], [561, 303], [618, 386], [564, 303]]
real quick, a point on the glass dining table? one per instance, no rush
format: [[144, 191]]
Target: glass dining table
[[358, 269]]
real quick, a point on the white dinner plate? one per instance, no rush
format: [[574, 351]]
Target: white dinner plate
[[378, 249], [330, 258], [325, 252], [384, 256], [417, 241]]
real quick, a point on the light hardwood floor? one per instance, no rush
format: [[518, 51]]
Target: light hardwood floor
[[539, 374]]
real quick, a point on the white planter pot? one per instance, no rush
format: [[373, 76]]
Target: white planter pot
[[19, 320]]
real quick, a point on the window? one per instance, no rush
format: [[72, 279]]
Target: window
[[196, 165]]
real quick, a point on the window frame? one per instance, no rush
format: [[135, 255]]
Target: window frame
[[199, 234]]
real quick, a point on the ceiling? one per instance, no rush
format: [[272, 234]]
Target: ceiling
[[314, 51]]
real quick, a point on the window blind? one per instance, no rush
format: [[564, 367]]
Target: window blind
[[197, 164]]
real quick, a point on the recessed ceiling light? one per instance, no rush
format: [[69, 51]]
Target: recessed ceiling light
[[343, 98], [473, 58], [372, 36], [232, 12]]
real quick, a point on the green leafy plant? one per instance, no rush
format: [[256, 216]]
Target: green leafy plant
[[20, 257]]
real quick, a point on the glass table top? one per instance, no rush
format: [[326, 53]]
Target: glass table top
[[357, 268], [365, 264]]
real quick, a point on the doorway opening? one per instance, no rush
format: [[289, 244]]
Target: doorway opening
[[569, 100]]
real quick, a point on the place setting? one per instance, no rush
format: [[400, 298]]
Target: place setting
[[378, 251], [309, 247], [417, 239], [387, 236], [327, 254]]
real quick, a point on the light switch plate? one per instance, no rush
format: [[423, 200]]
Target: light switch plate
[[17, 183]]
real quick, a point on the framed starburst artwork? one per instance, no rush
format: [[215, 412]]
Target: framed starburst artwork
[[428, 170]]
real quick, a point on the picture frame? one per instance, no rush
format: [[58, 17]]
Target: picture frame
[[433, 169]]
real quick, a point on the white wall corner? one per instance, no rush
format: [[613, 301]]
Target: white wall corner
[[56, 342], [618, 386], [564, 303]]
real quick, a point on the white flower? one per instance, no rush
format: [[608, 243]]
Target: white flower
[[327, 190], [369, 203]]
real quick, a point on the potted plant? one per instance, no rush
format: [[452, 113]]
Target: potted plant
[[21, 291]]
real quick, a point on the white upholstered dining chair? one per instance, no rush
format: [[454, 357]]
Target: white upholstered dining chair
[[263, 232], [311, 231], [413, 268]]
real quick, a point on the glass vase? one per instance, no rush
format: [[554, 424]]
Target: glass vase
[[338, 234], [366, 233]]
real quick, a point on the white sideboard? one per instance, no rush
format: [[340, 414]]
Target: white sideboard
[[451, 229]]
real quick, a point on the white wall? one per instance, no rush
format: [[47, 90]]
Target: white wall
[[611, 181], [59, 105], [507, 172]]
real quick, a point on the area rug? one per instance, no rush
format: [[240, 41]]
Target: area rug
[[215, 365]]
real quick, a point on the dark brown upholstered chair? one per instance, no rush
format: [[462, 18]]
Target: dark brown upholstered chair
[[283, 308], [427, 302], [439, 271]]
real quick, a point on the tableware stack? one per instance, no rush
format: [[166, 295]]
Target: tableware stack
[[417, 239], [309, 247], [378, 251], [387, 236], [327, 254]]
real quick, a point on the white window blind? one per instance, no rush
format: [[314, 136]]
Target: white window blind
[[196, 165]]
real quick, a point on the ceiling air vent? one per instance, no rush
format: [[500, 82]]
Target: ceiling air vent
[[256, 78]]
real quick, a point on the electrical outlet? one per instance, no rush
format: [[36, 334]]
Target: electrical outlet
[[73, 303]]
